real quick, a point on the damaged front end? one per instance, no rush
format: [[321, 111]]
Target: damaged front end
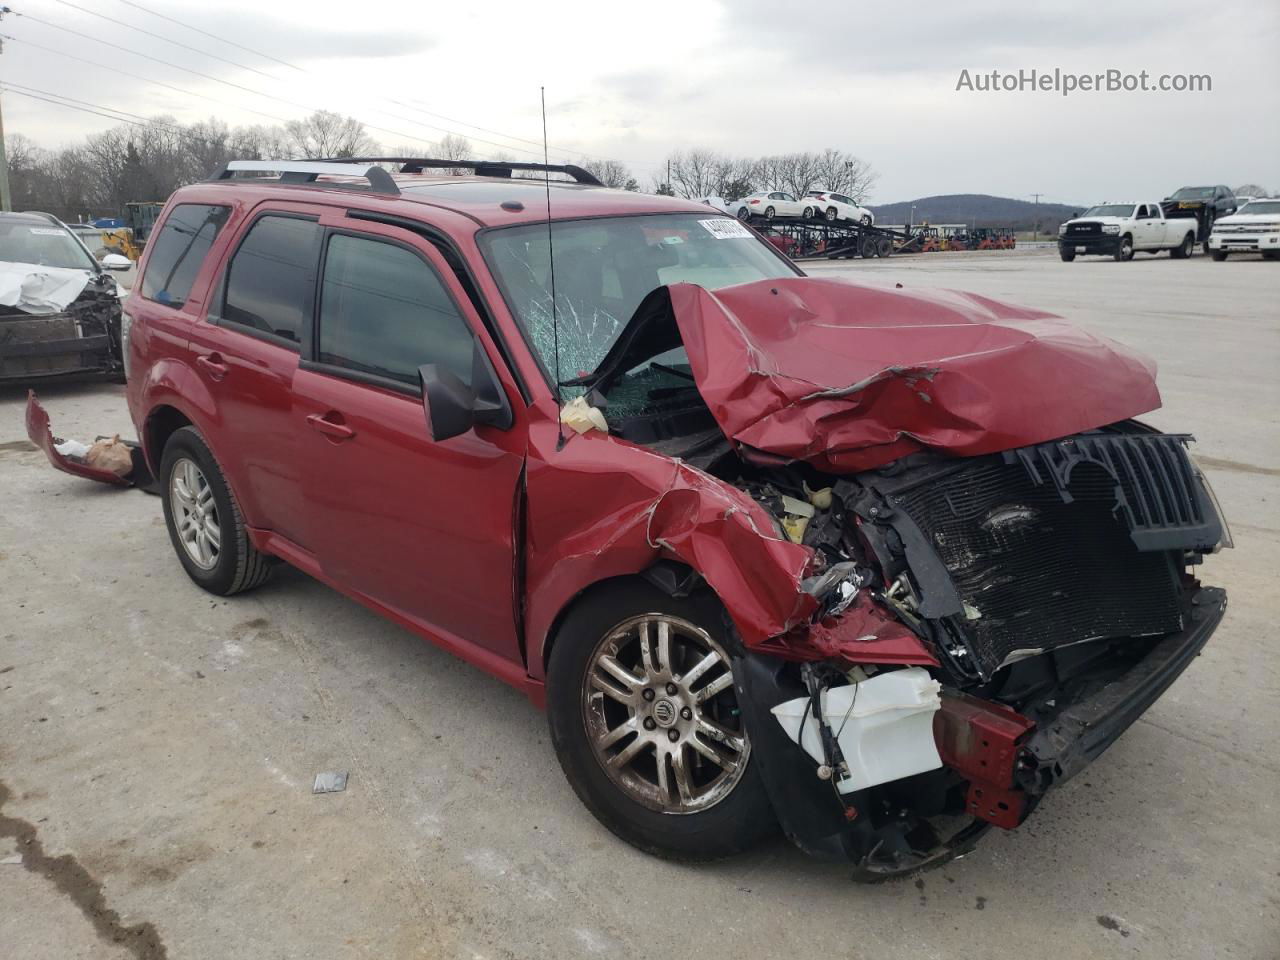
[[997, 580], [1051, 583], [79, 337]]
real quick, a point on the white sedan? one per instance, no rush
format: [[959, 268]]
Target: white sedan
[[836, 206], [773, 203]]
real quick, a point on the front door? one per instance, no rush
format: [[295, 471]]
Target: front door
[[424, 528]]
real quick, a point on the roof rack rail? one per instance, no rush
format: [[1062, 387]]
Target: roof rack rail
[[482, 168], [306, 171]]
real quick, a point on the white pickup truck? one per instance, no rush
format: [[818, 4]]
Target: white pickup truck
[[1254, 228], [1121, 229]]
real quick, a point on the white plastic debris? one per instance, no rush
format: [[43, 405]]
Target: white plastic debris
[[581, 416], [72, 448], [884, 726], [39, 289]]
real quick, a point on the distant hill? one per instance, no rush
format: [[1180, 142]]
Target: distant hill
[[989, 211]]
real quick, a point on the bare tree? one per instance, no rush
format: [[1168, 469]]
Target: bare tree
[[326, 134], [612, 174], [844, 173]]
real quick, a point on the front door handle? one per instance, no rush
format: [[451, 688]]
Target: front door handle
[[331, 425], [212, 364]]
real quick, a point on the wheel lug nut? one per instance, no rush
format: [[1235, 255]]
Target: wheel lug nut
[[648, 694], [686, 713], [648, 723], [672, 688], [673, 735]]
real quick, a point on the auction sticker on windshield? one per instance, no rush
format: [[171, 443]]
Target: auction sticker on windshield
[[725, 229]]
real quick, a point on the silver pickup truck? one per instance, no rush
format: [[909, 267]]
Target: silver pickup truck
[[1121, 229]]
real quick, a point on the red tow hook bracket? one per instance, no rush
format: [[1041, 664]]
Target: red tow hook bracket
[[980, 741]]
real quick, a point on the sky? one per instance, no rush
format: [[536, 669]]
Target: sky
[[634, 81]]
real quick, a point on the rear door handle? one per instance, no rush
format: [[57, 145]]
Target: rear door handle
[[212, 364], [330, 425]]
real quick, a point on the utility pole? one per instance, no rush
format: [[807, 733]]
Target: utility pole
[[6, 201], [1035, 227]]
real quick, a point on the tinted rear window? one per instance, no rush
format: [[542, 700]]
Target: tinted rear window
[[271, 280], [178, 249]]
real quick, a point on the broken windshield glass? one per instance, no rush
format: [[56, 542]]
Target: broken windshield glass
[[603, 270]]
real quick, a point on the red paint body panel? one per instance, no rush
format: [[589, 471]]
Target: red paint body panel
[[979, 739], [39, 433], [848, 377], [865, 633]]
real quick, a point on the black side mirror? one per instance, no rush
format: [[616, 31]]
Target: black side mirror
[[453, 408]]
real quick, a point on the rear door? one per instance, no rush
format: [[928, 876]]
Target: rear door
[[247, 354], [424, 528]]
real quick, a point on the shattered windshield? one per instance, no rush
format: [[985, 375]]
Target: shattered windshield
[[46, 244], [605, 267]]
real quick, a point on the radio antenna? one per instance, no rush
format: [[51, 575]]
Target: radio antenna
[[551, 268]]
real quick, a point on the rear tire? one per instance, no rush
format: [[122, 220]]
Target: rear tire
[[1184, 249], [1218, 255], [205, 525], [884, 247], [867, 247], [1271, 254], [718, 817]]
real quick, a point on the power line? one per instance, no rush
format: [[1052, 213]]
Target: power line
[[157, 36], [125, 73], [408, 106], [273, 97], [206, 33]]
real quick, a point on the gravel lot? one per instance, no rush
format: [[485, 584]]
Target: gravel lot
[[158, 745]]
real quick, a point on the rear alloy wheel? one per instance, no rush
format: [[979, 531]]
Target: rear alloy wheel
[[807, 213], [1124, 249], [645, 720], [205, 525], [832, 213]]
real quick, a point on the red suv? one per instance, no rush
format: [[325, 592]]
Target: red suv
[[876, 566]]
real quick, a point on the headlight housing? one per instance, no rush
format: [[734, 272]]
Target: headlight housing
[[126, 326], [1062, 228], [1111, 228]]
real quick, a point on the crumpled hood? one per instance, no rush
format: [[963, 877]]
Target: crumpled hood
[[849, 377]]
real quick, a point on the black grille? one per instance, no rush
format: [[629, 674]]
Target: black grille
[[1083, 229], [1038, 571], [1160, 494]]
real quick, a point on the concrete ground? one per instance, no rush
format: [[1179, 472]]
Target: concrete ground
[[158, 745]]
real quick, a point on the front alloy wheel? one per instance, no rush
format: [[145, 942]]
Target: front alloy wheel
[[644, 715], [653, 708]]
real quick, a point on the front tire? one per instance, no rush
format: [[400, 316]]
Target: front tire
[[205, 525], [1066, 254], [769, 213], [832, 214], [1124, 248], [644, 718], [1218, 255], [744, 213]]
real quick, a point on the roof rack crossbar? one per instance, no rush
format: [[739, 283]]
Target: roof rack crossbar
[[482, 168], [306, 172]]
